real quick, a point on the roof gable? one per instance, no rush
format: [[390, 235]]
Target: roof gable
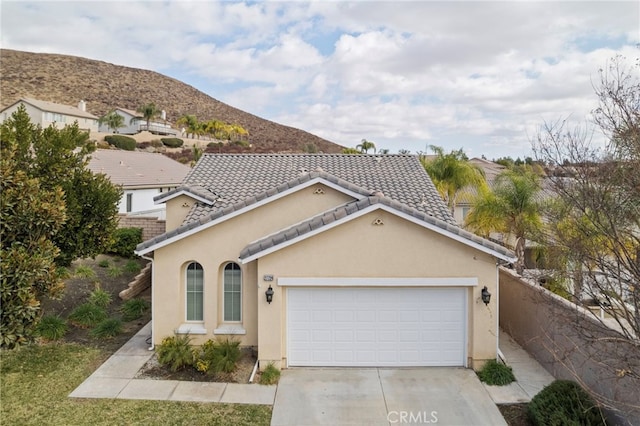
[[355, 209], [57, 108]]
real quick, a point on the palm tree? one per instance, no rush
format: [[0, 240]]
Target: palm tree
[[113, 120], [351, 151], [364, 146], [452, 172], [149, 112], [190, 124], [512, 208]]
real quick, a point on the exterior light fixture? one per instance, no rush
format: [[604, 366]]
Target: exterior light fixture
[[269, 294], [486, 296]]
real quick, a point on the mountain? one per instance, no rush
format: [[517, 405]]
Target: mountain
[[103, 86]]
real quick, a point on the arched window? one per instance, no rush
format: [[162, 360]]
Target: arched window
[[195, 289], [232, 292]]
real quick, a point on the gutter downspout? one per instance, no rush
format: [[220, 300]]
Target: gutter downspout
[[153, 272]]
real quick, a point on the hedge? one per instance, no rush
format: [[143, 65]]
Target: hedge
[[120, 141], [172, 142], [564, 403], [125, 241]]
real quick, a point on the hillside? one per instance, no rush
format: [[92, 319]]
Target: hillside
[[68, 79]]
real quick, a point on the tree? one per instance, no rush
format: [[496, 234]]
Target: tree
[[595, 223], [511, 207], [58, 159], [451, 173], [364, 146], [351, 151], [113, 120], [30, 217], [190, 123], [149, 112]]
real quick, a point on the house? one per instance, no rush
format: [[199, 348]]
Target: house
[[134, 123], [142, 175], [465, 198], [47, 113], [324, 260]]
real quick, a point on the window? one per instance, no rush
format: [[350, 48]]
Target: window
[[195, 280], [465, 212], [129, 202], [232, 292]]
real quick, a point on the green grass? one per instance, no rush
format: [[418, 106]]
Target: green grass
[[133, 309], [87, 315], [132, 267], [83, 271], [104, 263], [100, 298], [35, 382], [270, 375], [114, 271], [110, 327], [51, 327]]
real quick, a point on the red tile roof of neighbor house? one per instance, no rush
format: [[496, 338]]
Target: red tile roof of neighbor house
[[230, 183], [136, 169]]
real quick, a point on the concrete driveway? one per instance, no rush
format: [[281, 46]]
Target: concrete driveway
[[383, 396]]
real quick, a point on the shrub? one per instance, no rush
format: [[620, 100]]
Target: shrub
[[114, 271], [83, 271], [104, 263], [270, 375], [564, 402], [172, 142], [219, 356], [133, 309], [107, 328], [100, 298], [176, 352], [51, 327], [496, 373], [122, 142], [132, 267], [63, 273], [125, 241], [156, 143], [87, 315]]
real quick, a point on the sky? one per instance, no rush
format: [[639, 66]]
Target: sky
[[481, 76]]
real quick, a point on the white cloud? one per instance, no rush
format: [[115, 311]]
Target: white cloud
[[404, 74]]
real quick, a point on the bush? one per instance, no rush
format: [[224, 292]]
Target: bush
[[87, 315], [564, 402], [51, 327], [122, 142], [172, 142], [114, 271], [270, 375], [219, 356], [107, 328], [176, 352], [125, 241], [132, 267], [100, 298], [133, 309], [83, 271], [156, 143], [104, 263], [496, 373]]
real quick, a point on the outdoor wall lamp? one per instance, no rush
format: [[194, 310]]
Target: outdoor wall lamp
[[486, 296], [269, 294]]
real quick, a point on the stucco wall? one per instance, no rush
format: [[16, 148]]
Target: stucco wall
[[572, 345], [213, 248], [396, 249]]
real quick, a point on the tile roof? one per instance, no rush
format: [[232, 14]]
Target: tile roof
[[325, 219], [195, 190], [137, 168], [236, 177], [58, 108]]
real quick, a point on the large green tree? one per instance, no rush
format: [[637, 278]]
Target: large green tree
[[364, 146], [452, 172], [58, 159], [113, 120], [511, 207]]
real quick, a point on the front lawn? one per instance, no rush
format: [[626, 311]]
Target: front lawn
[[36, 380]]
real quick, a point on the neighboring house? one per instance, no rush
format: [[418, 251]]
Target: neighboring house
[[46, 113], [362, 260], [142, 175], [466, 196], [134, 123]]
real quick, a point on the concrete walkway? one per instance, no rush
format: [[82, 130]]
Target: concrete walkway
[[531, 377], [115, 379]]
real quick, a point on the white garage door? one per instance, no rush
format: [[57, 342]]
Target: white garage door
[[376, 327]]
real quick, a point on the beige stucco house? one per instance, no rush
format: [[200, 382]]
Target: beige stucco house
[[45, 114], [364, 264]]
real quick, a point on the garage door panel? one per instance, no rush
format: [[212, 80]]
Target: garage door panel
[[376, 326]]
